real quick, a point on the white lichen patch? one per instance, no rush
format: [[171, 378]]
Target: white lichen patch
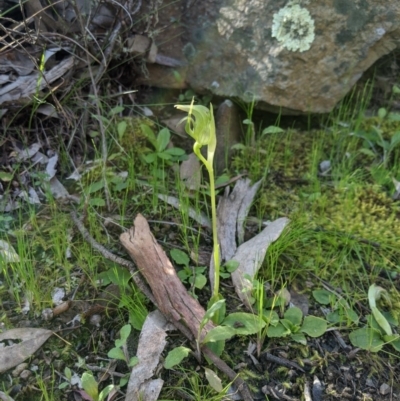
[[293, 27]]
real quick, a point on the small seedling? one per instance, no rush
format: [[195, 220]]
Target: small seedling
[[379, 331], [296, 327], [117, 352], [193, 275], [341, 312], [91, 388], [161, 151]]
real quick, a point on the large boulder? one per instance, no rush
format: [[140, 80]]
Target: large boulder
[[301, 56]]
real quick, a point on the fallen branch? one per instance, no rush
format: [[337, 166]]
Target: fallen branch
[[174, 301]]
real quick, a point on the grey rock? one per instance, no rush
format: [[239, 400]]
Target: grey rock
[[293, 55]]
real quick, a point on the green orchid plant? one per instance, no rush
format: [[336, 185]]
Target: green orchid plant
[[200, 125]]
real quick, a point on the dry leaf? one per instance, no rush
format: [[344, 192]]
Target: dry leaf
[[5, 397], [200, 217], [30, 341], [57, 189], [7, 253], [151, 345], [51, 167], [250, 256]]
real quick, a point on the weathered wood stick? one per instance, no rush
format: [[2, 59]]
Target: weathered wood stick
[[170, 294]]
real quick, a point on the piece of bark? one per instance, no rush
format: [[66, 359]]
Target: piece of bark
[[200, 217], [170, 294], [250, 256], [24, 87], [231, 213], [152, 342]]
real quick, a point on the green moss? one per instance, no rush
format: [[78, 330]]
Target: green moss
[[336, 218]]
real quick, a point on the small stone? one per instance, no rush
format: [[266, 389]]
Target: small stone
[[95, 320], [47, 314], [17, 371], [369, 383], [325, 166], [384, 389], [25, 374]]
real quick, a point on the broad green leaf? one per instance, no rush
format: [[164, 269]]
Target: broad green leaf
[[391, 318], [396, 89], [5, 176], [68, 373], [219, 333], [179, 257], [106, 390], [238, 146], [222, 179], [270, 317], [124, 334], [272, 129], [368, 339], [382, 112], [381, 320], [277, 331], [183, 275], [323, 297], [213, 380], [175, 357], [299, 338], [367, 152], [374, 294], [121, 128], [116, 353], [97, 202], [133, 361], [293, 328], [295, 315], [394, 116], [314, 326], [395, 140], [244, 323], [213, 310], [163, 139], [175, 151], [150, 158], [116, 110], [96, 186], [231, 265], [200, 281], [393, 340], [90, 385], [149, 134], [217, 347], [164, 156]]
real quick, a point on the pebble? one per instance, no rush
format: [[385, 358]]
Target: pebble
[[19, 369], [25, 374], [384, 389]]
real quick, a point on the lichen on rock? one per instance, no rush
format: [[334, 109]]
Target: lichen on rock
[[293, 27]]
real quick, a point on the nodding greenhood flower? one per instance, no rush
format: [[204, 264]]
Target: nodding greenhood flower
[[200, 125], [201, 128]]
